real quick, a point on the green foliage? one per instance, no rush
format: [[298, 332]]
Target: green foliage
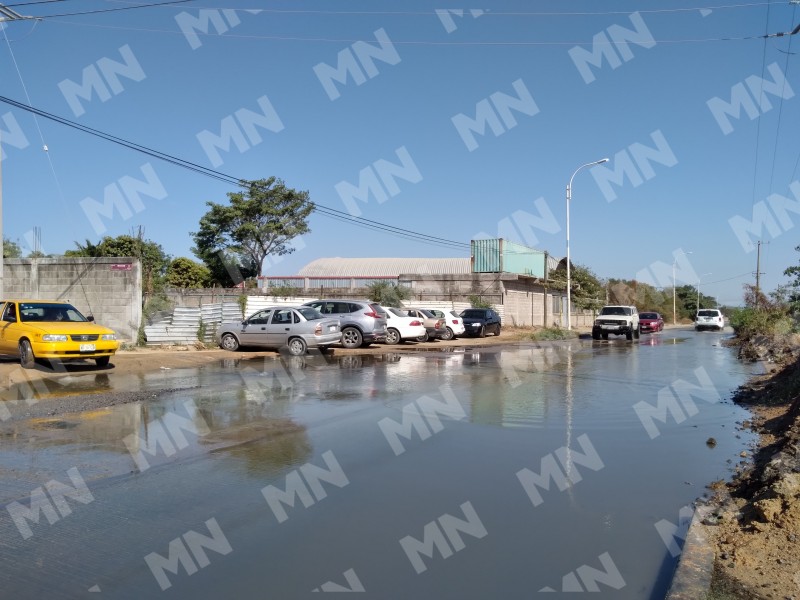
[[284, 291], [242, 300], [648, 298], [185, 273], [201, 331], [478, 302], [763, 316], [388, 294], [152, 256], [586, 289], [553, 333], [11, 249], [259, 222]]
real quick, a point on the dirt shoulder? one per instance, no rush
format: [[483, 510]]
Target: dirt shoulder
[[755, 528]]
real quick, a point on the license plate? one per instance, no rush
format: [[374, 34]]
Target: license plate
[[87, 348], [476, 324]]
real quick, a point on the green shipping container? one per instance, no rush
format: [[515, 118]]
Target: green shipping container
[[503, 256]]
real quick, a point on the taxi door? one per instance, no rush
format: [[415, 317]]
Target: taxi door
[[9, 329]]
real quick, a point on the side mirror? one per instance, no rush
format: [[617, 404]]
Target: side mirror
[[90, 318]]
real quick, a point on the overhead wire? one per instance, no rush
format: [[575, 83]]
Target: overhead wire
[[760, 103], [780, 107], [231, 179], [101, 10]]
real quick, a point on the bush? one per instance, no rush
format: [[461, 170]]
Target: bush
[[553, 333], [478, 302], [284, 291], [388, 294]]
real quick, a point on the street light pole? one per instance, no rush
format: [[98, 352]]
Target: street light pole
[[569, 197], [674, 312]]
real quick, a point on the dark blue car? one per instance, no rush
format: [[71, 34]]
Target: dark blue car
[[480, 321]]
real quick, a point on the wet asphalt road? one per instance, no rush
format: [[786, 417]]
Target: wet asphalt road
[[494, 473]]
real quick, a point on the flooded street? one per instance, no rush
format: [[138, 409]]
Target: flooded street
[[482, 473]]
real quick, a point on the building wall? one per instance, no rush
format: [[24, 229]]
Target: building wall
[[108, 288]]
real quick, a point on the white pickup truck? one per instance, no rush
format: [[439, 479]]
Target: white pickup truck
[[616, 320]]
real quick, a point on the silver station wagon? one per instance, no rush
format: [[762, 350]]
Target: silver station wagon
[[295, 327]]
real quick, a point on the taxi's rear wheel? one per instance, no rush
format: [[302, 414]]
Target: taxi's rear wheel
[[102, 361], [26, 357]]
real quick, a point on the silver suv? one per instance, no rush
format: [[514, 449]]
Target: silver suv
[[362, 322], [616, 320]]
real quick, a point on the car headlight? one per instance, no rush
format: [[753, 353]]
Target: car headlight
[[108, 337], [52, 337]]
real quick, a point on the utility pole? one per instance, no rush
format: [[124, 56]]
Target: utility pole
[[758, 274], [6, 14]]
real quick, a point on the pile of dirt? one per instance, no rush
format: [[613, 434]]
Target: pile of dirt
[[757, 517]]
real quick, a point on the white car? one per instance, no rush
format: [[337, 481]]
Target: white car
[[710, 318], [399, 326], [455, 324]]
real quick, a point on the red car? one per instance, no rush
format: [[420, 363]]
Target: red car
[[650, 322]]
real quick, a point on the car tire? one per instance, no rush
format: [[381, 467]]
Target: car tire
[[423, 338], [595, 335], [497, 330], [297, 346], [229, 342], [483, 331], [637, 333], [629, 334], [351, 337], [604, 336], [26, 357], [392, 336], [448, 335], [102, 361]]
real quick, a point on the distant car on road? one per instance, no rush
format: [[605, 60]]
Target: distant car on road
[[616, 320], [480, 321], [294, 327], [454, 323], [435, 327], [52, 330], [709, 318], [399, 326], [651, 322], [363, 322]]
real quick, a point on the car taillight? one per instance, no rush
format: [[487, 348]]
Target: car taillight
[[455, 321], [415, 323], [318, 329], [372, 314]]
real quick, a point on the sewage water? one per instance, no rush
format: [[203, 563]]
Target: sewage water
[[478, 474]]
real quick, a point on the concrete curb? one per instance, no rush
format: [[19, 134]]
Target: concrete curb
[[692, 579]]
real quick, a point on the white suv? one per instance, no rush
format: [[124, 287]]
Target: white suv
[[616, 320], [710, 318]]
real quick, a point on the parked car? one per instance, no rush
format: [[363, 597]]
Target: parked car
[[52, 330], [294, 327], [616, 320], [400, 326], [454, 323], [435, 327], [651, 322], [362, 322], [480, 321], [709, 318]]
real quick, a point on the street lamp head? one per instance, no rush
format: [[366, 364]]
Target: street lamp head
[[602, 160]]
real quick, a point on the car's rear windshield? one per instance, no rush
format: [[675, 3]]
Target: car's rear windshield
[[648, 315], [708, 313], [310, 314], [44, 311], [473, 314], [398, 312]]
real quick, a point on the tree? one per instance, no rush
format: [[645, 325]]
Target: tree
[[152, 256], [387, 294], [11, 249], [586, 290], [261, 221], [185, 273]]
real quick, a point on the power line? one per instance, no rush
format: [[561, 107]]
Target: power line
[[233, 180], [105, 10]]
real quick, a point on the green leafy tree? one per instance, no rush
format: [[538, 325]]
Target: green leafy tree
[[387, 294], [261, 221], [11, 249], [152, 256], [586, 291], [185, 273]]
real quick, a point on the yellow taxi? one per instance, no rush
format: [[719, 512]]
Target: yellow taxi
[[52, 330]]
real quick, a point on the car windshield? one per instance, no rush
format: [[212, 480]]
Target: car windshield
[[614, 310], [427, 313], [397, 312], [648, 315], [473, 314], [310, 314], [47, 312], [708, 313]]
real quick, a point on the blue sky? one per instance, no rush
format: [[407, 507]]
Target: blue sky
[[465, 123]]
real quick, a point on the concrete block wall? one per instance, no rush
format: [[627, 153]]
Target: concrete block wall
[[108, 288]]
